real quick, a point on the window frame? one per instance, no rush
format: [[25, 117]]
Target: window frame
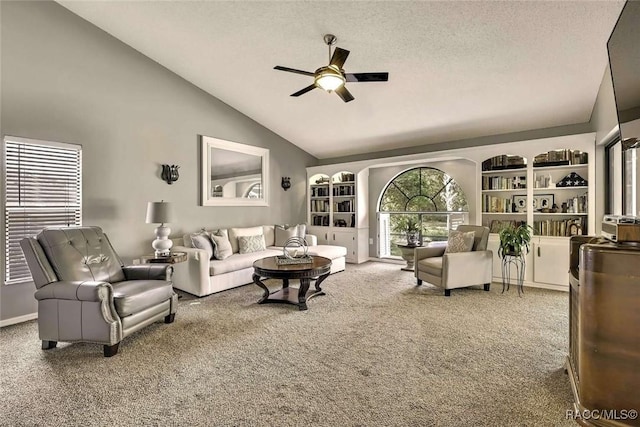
[[9, 208]]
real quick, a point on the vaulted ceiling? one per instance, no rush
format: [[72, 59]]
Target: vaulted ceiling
[[456, 69]]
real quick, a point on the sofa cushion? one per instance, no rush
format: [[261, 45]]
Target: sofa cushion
[[234, 233], [328, 251], [431, 266], [133, 296], [239, 261], [202, 240], [221, 246], [248, 244], [284, 233], [269, 234]]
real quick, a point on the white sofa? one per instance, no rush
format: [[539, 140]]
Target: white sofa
[[201, 276]]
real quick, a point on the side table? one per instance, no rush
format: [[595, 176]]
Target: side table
[[517, 262], [408, 254], [173, 258]]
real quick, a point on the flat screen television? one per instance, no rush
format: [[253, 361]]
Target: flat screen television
[[624, 60]]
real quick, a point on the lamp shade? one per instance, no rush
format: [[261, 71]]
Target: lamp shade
[[159, 213]]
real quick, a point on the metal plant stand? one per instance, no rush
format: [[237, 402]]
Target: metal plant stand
[[509, 262]]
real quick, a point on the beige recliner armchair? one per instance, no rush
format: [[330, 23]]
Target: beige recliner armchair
[[85, 293], [456, 270]]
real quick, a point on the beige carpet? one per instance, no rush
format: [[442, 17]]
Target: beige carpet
[[375, 351]]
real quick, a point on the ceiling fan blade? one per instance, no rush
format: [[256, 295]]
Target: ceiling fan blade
[[339, 56], [305, 90], [344, 94], [367, 77], [293, 70]]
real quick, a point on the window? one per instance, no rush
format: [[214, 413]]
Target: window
[[254, 191], [614, 185], [425, 196], [43, 188]]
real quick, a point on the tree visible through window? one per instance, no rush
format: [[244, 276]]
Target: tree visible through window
[[427, 196]]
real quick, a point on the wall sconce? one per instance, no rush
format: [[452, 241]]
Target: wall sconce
[[170, 173], [286, 183]]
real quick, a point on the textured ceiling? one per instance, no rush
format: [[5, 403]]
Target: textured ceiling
[[456, 69]]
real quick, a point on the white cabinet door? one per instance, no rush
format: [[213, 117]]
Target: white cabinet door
[[346, 238], [322, 233], [493, 244], [551, 262]]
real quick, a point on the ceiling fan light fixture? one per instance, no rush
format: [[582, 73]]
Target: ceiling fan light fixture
[[329, 79]]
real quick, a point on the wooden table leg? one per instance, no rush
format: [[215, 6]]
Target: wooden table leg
[[257, 281]]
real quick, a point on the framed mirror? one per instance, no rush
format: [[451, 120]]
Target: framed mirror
[[233, 174]]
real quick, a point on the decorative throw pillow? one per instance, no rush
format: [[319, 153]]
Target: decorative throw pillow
[[234, 233], [459, 241], [202, 241], [248, 244], [222, 247], [284, 233]]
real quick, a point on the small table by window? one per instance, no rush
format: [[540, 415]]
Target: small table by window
[[408, 254], [173, 258]]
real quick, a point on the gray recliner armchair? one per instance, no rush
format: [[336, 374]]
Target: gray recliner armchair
[[85, 293], [456, 270]]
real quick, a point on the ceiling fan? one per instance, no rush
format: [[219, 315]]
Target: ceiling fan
[[332, 77]]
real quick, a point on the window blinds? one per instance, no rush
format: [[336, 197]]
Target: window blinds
[[43, 188]]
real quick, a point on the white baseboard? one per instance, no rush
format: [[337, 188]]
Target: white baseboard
[[19, 319], [561, 288]]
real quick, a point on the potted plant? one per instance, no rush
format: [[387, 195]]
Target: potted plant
[[413, 232], [514, 240]]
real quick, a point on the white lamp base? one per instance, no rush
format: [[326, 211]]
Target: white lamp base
[[162, 244]]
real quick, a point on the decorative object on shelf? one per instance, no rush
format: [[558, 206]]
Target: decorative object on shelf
[[323, 180], [543, 201], [572, 180], [170, 173], [161, 213], [295, 251], [339, 223], [514, 240], [286, 183], [520, 203]]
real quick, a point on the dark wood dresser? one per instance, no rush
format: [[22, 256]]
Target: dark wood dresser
[[604, 332]]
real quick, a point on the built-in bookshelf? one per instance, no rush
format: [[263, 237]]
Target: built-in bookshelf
[[320, 201], [337, 209], [551, 193]]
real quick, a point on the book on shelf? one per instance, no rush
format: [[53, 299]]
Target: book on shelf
[[560, 227], [494, 204], [319, 206], [504, 182]]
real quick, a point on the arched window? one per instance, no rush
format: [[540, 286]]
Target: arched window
[[424, 196], [254, 191]]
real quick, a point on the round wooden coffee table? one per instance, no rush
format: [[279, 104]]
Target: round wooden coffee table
[[318, 269]]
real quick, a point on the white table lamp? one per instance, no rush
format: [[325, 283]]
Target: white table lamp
[[161, 213]]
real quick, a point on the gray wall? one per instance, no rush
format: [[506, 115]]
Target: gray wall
[[466, 143], [63, 79], [603, 120]]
